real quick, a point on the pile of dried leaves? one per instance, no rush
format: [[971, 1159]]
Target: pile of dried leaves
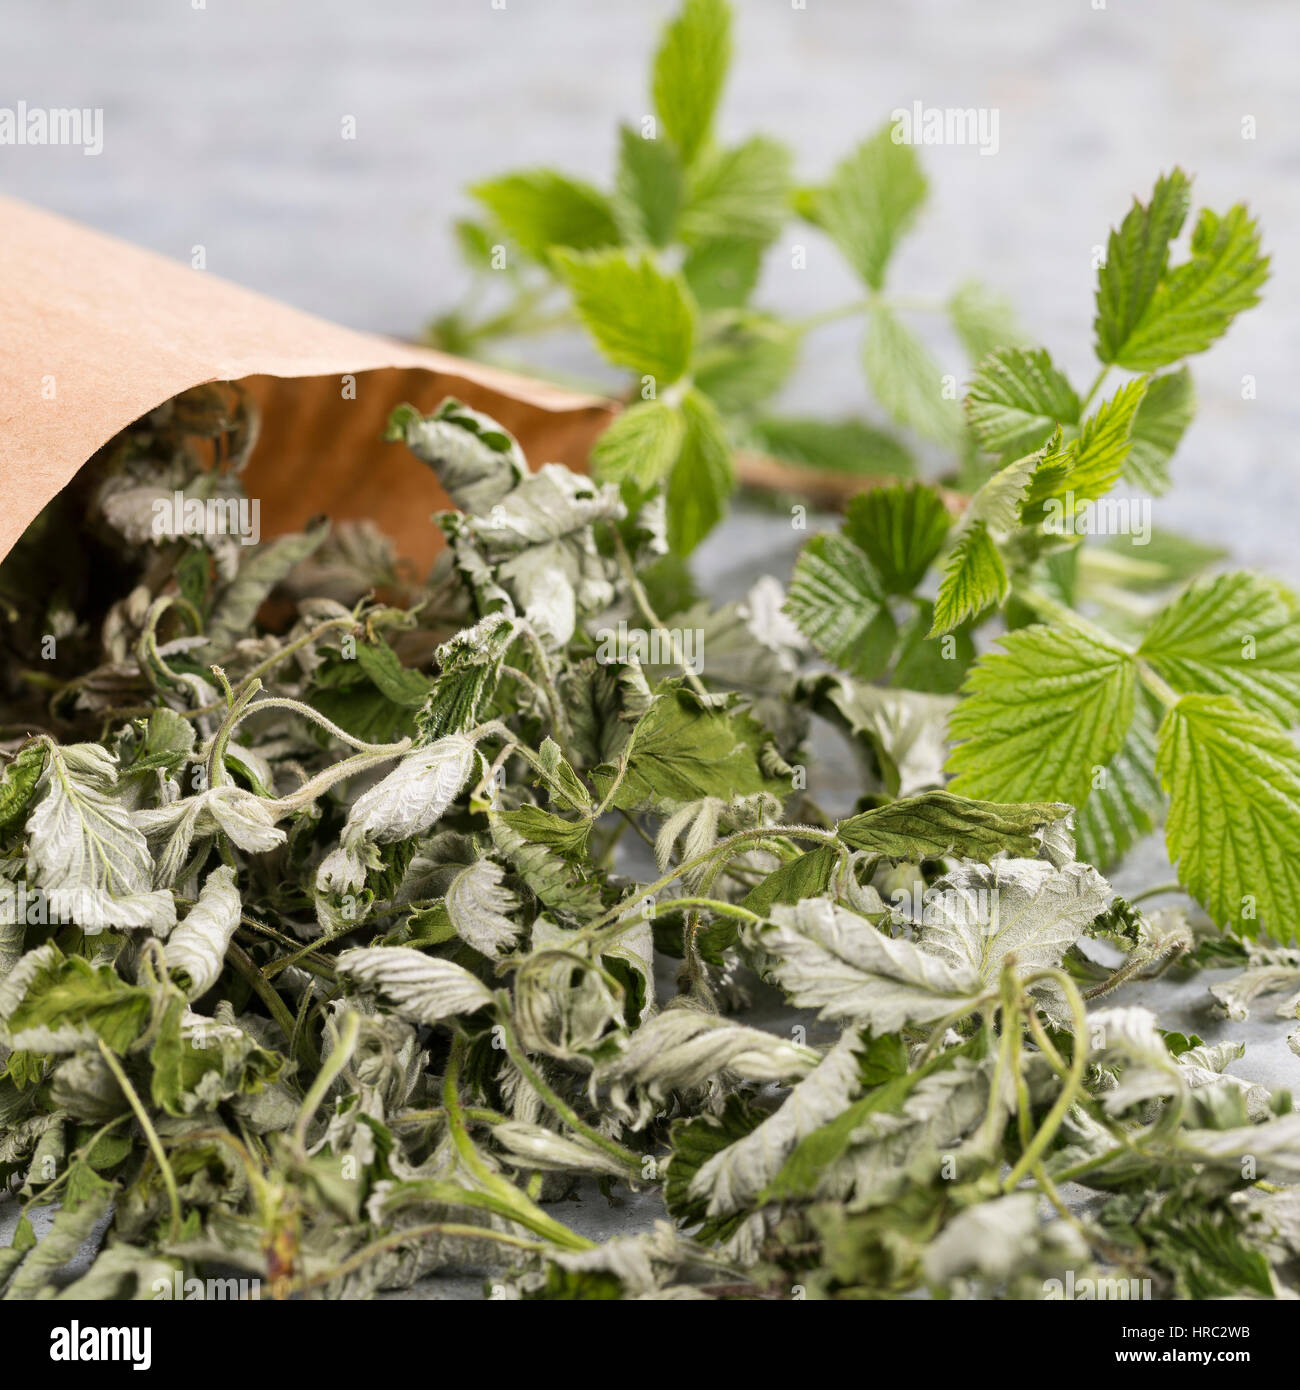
[[320, 959]]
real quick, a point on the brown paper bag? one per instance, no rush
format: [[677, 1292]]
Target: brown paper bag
[[94, 333]]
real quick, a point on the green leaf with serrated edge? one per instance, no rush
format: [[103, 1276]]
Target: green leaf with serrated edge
[[1018, 397], [562, 885], [563, 785], [901, 530], [541, 209], [937, 824], [69, 992], [641, 317], [1163, 417], [975, 576], [722, 274], [839, 604], [845, 446], [168, 741], [1137, 256], [681, 751], [742, 192], [869, 202], [1088, 466], [428, 926], [1125, 801], [745, 361], [830, 959], [931, 665], [974, 579], [703, 477], [1207, 1253], [998, 500], [1233, 780], [649, 188], [470, 666], [19, 782], [546, 828], [1232, 634], [907, 380], [603, 703], [1040, 715], [984, 320], [642, 444], [1195, 303], [689, 71], [805, 876], [398, 683]]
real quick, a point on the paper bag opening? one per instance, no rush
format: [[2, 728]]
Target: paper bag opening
[[97, 333]]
